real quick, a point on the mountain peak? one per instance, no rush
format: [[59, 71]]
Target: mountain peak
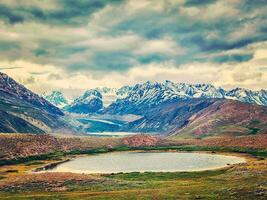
[[92, 92], [89, 102], [56, 98], [3, 74], [9, 87]]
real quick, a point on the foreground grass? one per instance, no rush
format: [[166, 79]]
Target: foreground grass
[[243, 181], [219, 184]]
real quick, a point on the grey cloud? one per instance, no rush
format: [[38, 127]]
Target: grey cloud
[[199, 37], [68, 12]]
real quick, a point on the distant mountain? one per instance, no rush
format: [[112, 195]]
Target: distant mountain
[[89, 102], [169, 108], [56, 98], [144, 96], [24, 111], [202, 117], [188, 110], [131, 99], [94, 100], [248, 96], [169, 116]]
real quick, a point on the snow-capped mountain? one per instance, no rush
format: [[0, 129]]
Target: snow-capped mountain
[[149, 94], [160, 92], [56, 98], [89, 102], [248, 96], [195, 91]]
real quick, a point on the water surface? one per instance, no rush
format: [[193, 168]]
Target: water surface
[[146, 161]]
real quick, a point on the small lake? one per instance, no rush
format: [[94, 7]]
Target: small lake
[[146, 161]]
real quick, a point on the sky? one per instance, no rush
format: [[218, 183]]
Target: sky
[[74, 45]]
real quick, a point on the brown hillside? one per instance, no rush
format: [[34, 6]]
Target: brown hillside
[[226, 118]]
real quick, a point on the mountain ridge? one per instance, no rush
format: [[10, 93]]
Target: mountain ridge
[[89, 102], [24, 111], [10, 87], [167, 90], [166, 108]]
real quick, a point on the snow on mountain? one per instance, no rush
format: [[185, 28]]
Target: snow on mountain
[[160, 92], [195, 91], [56, 98], [154, 93], [148, 94], [89, 102], [248, 96]]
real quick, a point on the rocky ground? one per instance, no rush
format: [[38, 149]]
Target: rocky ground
[[141, 140]]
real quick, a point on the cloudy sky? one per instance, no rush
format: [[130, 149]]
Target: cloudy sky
[[73, 45]]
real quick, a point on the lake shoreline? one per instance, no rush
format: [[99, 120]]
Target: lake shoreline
[[18, 179], [50, 166]]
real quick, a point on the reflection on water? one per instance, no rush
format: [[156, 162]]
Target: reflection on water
[[146, 161]]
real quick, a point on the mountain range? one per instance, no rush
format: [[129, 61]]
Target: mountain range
[[188, 110], [153, 93]]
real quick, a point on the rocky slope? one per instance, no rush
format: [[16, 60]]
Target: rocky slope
[[9, 88], [168, 116], [24, 111], [226, 118], [202, 117], [140, 140]]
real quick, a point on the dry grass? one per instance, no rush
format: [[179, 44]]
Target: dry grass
[[24, 145], [258, 141]]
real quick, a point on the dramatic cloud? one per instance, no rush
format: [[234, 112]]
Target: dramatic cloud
[[74, 45]]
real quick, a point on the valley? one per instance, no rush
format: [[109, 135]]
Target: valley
[[133, 100], [147, 119], [189, 111]]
